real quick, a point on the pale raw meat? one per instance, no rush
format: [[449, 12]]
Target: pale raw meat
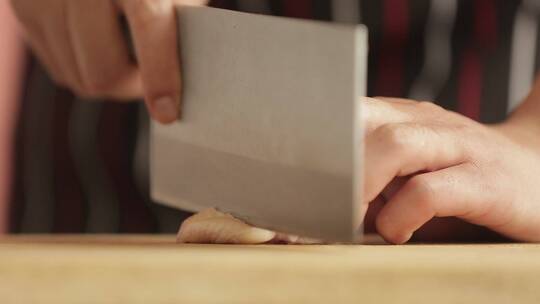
[[213, 226]]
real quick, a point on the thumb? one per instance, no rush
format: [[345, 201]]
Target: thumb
[[153, 28]]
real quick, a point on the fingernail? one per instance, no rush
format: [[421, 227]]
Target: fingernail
[[164, 109]]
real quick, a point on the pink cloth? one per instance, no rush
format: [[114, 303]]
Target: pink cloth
[[11, 76]]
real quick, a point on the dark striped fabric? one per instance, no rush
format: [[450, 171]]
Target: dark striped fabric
[[82, 166]]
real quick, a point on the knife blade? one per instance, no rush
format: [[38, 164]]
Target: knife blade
[[270, 129]]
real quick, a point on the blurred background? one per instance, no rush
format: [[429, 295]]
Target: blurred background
[[69, 164]]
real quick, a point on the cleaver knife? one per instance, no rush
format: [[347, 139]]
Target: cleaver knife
[[270, 129]]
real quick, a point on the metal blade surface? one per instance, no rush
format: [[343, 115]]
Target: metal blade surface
[[270, 129]]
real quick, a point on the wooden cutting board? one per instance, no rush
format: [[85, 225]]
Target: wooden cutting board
[[152, 269]]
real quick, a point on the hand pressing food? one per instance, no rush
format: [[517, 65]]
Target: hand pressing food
[[447, 165]]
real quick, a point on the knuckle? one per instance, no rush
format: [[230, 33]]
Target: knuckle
[[430, 108], [428, 105], [424, 192], [96, 86], [58, 80], [101, 83], [395, 136], [81, 91], [368, 113]]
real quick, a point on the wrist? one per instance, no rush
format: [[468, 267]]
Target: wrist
[[522, 131]]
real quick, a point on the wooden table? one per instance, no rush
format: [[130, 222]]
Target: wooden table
[[152, 269]]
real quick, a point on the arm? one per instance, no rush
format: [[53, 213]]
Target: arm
[[523, 126]]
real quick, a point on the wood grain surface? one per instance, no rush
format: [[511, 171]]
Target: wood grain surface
[[152, 269]]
